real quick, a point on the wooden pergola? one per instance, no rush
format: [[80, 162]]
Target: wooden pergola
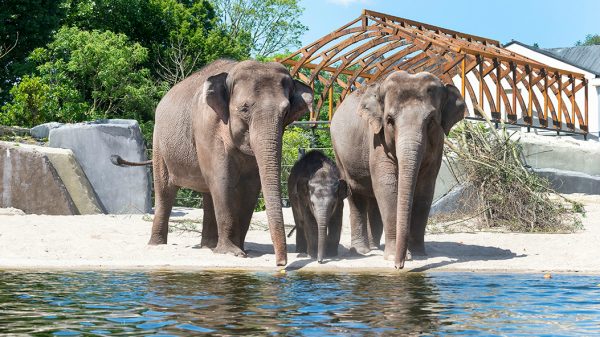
[[504, 85]]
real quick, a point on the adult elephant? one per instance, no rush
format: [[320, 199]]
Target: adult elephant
[[388, 139], [219, 132]]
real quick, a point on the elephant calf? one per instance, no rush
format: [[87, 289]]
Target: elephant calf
[[317, 196]]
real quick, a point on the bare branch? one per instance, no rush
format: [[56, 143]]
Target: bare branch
[[4, 50]]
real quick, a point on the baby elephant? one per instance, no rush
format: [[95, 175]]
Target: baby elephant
[[317, 196]]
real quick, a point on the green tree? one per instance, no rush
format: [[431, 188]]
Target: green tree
[[267, 26], [32, 23], [84, 75], [590, 40], [181, 36]]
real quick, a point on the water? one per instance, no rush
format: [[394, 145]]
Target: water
[[297, 304]]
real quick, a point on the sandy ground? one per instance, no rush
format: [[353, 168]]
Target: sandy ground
[[119, 242]]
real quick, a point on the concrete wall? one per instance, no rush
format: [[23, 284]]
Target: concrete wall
[[119, 189], [32, 180], [572, 166]]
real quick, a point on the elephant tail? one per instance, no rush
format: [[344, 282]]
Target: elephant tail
[[117, 160]]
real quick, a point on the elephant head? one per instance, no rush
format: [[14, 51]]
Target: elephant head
[[256, 101], [411, 114]]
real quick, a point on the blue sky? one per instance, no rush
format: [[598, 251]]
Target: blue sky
[[550, 23]]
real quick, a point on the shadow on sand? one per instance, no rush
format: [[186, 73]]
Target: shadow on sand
[[459, 252]]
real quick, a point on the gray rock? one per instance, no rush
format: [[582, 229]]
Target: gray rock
[[120, 189], [30, 182], [43, 130], [570, 182], [460, 198]]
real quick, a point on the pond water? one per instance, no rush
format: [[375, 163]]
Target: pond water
[[297, 304]]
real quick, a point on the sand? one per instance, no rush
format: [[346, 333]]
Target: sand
[[119, 242]]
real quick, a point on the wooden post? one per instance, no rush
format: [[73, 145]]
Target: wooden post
[[462, 88], [514, 88], [585, 107], [573, 114], [498, 85], [546, 98], [481, 81], [330, 102], [559, 98], [530, 103]]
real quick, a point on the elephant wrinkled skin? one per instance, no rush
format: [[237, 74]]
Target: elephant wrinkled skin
[[219, 132], [388, 139]]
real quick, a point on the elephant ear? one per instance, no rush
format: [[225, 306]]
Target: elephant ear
[[370, 108], [343, 189], [216, 95], [453, 109], [300, 102]]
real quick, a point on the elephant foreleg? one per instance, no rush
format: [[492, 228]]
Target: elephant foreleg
[[248, 197], [334, 231], [358, 224], [420, 211], [209, 223], [375, 224], [385, 188]]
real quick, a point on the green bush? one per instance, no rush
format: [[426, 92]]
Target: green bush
[[84, 75]]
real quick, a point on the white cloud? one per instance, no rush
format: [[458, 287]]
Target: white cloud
[[348, 2]]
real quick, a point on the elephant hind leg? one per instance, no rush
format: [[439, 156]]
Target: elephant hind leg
[[210, 235], [164, 193]]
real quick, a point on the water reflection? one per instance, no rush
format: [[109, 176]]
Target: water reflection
[[296, 304]]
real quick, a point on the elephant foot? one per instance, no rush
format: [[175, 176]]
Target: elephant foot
[[209, 243], [229, 248], [302, 255], [360, 249], [390, 255], [373, 246], [157, 240]]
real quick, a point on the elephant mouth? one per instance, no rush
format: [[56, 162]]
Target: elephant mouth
[[246, 149]]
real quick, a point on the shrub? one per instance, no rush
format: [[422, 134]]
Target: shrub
[[508, 195]]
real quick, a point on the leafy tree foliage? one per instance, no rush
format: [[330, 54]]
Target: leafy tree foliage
[[590, 40], [84, 75], [181, 36], [267, 26], [32, 24]]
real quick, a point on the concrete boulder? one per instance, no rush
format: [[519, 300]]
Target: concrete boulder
[[43, 130], [41, 180], [570, 182], [120, 190]]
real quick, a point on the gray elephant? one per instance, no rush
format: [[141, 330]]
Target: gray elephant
[[317, 196], [388, 139], [219, 132]]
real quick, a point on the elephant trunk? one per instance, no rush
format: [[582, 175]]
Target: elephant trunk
[[267, 149], [409, 155], [322, 221]]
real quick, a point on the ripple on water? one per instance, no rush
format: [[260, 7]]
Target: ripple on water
[[182, 304]]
